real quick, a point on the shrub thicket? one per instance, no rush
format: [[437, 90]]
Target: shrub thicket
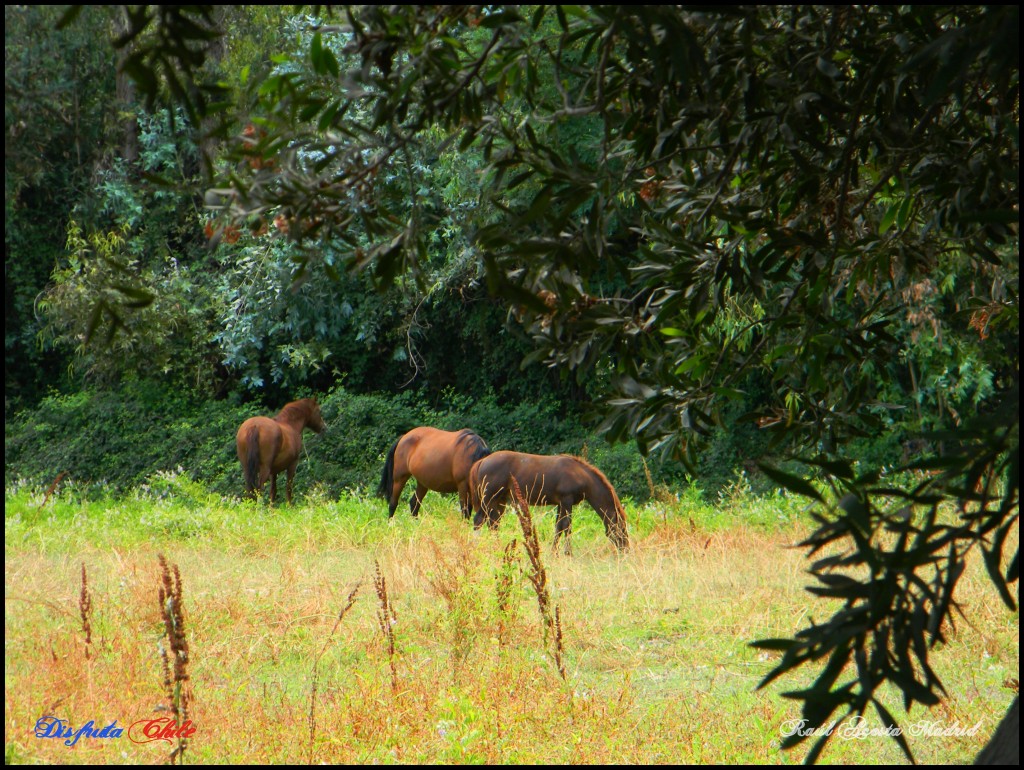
[[122, 438]]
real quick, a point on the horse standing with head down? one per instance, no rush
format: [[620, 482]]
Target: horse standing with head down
[[560, 480], [268, 446], [438, 460]]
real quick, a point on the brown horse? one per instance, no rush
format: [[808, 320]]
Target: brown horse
[[438, 460], [560, 480], [268, 446]]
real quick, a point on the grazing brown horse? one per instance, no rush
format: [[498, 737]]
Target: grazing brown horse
[[268, 446], [560, 480], [438, 460]]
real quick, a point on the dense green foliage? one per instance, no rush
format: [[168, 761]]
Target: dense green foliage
[[138, 285], [54, 128], [753, 233], [123, 244], [119, 439]]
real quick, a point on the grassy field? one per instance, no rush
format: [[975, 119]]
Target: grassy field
[[440, 654]]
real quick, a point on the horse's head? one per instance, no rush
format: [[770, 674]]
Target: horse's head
[[619, 534], [490, 518], [315, 421]]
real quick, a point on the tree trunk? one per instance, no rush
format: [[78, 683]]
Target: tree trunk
[[207, 142], [126, 97], [1003, 747]]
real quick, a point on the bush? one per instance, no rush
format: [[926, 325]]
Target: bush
[[124, 439]]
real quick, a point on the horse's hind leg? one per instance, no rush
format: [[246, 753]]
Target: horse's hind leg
[[396, 494], [417, 499], [464, 505], [489, 513]]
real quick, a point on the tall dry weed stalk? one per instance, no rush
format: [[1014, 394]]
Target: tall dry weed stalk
[[660, 493], [538, 576], [316, 667], [503, 590], [386, 619], [85, 610], [449, 576], [559, 649], [52, 489], [649, 478], [176, 677], [452, 579]]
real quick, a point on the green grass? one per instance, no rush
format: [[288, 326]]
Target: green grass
[[655, 642]]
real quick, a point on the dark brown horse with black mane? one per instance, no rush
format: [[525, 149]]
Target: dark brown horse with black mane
[[438, 460], [560, 480], [268, 446]]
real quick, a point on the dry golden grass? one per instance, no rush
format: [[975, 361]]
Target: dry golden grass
[[284, 666]]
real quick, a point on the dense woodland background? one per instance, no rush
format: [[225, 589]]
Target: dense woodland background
[[107, 238], [774, 245]]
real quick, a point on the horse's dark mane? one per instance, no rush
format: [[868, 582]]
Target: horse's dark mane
[[604, 480]]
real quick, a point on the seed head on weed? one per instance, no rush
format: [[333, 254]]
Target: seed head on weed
[[85, 610], [503, 590], [386, 619], [538, 575], [173, 613], [316, 670]]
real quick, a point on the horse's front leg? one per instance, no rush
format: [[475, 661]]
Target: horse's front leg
[[480, 513], [563, 527], [291, 481], [273, 487]]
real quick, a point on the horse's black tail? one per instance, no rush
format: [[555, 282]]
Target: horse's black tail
[[251, 467], [387, 476]]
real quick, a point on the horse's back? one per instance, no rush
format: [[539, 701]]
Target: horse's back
[[537, 475], [259, 424], [432, 437], [440, 459], [508, 462], [410, 443]]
